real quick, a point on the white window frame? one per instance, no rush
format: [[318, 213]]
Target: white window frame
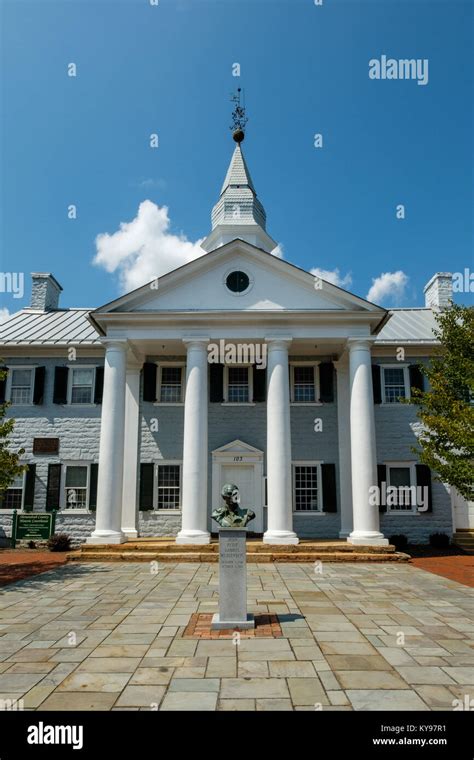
[[317, 390], [307, 463], [406, 380], [159, 367], [409, 465], [9, 511], [8, 390], [71, 368], [238, 365], [161, 463], [62, 499]]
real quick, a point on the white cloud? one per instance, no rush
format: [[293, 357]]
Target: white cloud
[[144, 248], [4, 314], [333, 275], [388, 284]]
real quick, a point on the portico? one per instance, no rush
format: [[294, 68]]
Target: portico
[[172, 405]]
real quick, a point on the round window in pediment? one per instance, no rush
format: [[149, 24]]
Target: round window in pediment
[[237, 281]]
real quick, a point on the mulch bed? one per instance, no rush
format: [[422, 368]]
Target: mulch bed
[[199, 627], [16, 564]]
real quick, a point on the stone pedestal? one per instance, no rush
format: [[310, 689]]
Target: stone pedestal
[[232, 581]]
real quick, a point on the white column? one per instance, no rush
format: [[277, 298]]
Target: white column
[[280, 508], [344, 438], [130, 453], [195, 453], [363, 450], [109, 487]]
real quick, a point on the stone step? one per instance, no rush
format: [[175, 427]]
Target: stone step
[[464, 538], [90, 555], [171, 547]]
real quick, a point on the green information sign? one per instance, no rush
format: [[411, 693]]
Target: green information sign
[[32, 526]]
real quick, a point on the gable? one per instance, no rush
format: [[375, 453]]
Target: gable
[[275, 285]]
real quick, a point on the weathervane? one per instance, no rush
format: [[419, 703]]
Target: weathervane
[[239, 119]]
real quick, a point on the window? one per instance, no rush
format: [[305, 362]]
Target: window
[[403, 478], [305, 485], [238, 385], [13, 496], [82, 385], [394, 384], [171, 384], [169, 487], [304, 385], [238, 282], [21, 387], [76, 486]]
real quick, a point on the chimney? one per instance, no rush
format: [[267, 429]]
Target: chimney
[[45, 291], [439, 291]]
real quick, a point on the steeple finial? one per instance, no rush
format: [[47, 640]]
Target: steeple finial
[[239, 118]]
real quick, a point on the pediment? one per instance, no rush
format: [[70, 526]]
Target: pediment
[[237, 447], [200, 286]]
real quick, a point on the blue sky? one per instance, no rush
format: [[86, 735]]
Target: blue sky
[[167, 69]]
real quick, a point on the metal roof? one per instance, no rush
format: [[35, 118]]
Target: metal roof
[[408, 326], [60, 327]]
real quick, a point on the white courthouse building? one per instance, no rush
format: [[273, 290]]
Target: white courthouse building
[[237, 367]]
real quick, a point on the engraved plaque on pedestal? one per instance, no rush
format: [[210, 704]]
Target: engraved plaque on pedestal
[[232, 581]]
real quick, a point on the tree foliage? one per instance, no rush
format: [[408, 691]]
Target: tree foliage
[[10, 465], [446, 409]]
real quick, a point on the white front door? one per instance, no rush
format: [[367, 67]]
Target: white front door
[[244, 478], [241, 464]]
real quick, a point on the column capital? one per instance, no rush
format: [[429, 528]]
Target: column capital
[[192, 341], [278, 341], [355, 344], [115, 344]]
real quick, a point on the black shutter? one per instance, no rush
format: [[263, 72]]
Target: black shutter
[[3, 385], [259, 383], [326, 382], [416, 377], [38, 390], [60, 385], [423, 478], [376, 383], [99, 385], [328, 477], [93, 486], [216, 382], [53, 487], [146, 486], [30, 478], [149, 381], [381, 478]]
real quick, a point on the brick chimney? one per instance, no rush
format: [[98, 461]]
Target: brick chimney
[[45, 291], [439, 290]]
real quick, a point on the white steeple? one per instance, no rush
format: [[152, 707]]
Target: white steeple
[[238, 213]]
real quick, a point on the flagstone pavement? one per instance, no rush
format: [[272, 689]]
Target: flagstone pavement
[[375, 636]]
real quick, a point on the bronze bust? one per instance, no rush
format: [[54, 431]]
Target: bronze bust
[[231, 515]]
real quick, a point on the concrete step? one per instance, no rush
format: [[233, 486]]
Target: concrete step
[[464, 538]]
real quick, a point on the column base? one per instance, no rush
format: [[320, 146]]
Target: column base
[[367, 538], [193, 537], [130, 533], [283, 537], [106, 537], [222, 625]]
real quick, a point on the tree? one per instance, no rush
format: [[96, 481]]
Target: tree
[[446, 409], [10, 465]]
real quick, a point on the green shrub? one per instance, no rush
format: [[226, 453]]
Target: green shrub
[[439, 540], [59, 542], [399, 540]]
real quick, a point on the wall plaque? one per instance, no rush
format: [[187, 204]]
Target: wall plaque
[[45, 445]]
